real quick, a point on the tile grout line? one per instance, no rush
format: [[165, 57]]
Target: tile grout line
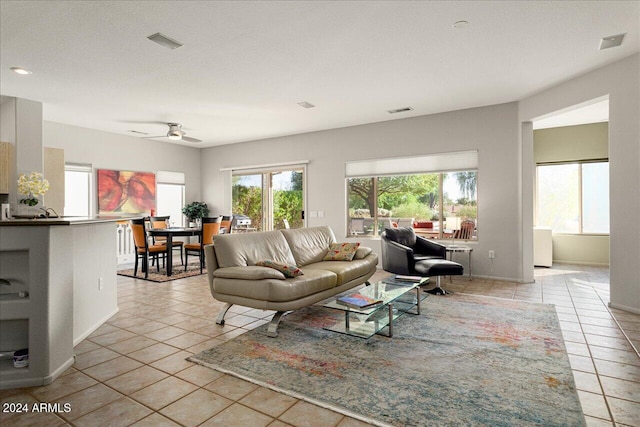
[[595, 368]]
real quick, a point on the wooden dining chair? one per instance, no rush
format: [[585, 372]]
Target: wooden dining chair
[[210, 227], [226, 223], [466, 230], [143, 249], [161, 222]]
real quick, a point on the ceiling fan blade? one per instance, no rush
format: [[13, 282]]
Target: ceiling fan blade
[[144, 122], [157, 136], [189, 139]]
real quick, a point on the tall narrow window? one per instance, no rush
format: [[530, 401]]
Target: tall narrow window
[[595, 198], [170, 196], [77, 189]]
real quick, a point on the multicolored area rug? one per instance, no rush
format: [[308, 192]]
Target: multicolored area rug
[[193, 269], [465, 361]]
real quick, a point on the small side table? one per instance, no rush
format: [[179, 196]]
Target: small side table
[[460, 249]]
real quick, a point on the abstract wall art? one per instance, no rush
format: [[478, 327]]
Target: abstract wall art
[[126, 191]]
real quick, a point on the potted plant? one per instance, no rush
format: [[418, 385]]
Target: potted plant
[[195, 210]]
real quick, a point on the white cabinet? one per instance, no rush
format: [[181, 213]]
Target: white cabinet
[[69, 271], [42, 321], [542, 247]]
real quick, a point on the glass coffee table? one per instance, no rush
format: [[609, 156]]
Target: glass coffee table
[[397, 299]]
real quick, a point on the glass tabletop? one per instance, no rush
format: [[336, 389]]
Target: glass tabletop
[[397, 300], [387, 292]]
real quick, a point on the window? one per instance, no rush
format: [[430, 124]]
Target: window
[[436, 203], [77, 189], [170, 196], [271, 199], [573, 198]]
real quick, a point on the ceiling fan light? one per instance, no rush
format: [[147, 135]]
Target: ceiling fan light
[[174, 136]]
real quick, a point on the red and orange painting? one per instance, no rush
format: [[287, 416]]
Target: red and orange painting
[[126, 191]]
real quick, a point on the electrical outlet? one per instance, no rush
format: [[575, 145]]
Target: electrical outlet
[[100, 283], [492, 254]]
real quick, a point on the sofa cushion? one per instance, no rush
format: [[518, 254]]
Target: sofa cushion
[[362, 252], [248, 273], [242, 249], [309, 245], [341, 252], [274, 290], [288, 270], [345, 271]]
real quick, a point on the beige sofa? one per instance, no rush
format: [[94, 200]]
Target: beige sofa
[[235, 278]]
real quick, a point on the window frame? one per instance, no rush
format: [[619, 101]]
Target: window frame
[[441, 212], [580, 190], [174, 179], [266, 172], [83, 168]]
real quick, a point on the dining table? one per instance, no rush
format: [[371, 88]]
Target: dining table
[[169, 233]]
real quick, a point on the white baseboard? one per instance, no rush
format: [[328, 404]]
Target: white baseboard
[[624, 308], [101, 322], [502, 279], [593, 264]]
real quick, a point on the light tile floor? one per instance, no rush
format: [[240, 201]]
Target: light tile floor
[[132, 370]]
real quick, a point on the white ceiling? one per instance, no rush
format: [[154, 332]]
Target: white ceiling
[[244, 66]]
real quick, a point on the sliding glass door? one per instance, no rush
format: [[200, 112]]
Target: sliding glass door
[[269, 200]]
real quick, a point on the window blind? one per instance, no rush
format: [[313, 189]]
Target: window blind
[[444, 162], [167, 177]]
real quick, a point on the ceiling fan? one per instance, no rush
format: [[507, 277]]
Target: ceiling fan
[[176, 134]]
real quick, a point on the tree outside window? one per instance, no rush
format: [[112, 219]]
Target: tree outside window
[[386, 201]]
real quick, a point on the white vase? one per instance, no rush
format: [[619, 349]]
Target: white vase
[[28, 211]]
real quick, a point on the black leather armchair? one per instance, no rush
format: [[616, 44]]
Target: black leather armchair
[[405, 253], [402, 248]]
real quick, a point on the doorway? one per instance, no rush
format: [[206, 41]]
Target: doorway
[[571, 184]]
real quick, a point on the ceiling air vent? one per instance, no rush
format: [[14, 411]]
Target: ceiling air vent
[[165, 41], [305, 104], [400, 110], [611, 41]]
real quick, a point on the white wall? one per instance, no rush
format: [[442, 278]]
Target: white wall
[[93, 304], [491, 130], [621, 82], [106, 150]]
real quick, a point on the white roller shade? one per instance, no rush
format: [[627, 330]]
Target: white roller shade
[[458, 161], [78, 167], [167, 177]]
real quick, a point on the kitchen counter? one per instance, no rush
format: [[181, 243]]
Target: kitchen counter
[[62, 287], [65, 220]]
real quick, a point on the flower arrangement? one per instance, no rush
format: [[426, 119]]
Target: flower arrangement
[[32, 186]]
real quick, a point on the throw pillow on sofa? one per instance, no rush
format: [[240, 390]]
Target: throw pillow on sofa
[[288, 270], [341, 251]]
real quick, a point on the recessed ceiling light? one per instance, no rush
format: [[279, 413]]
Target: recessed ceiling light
[[165, 41], [20, 70], [460, 24], [305, 104], [611, 41], [400, 110]]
